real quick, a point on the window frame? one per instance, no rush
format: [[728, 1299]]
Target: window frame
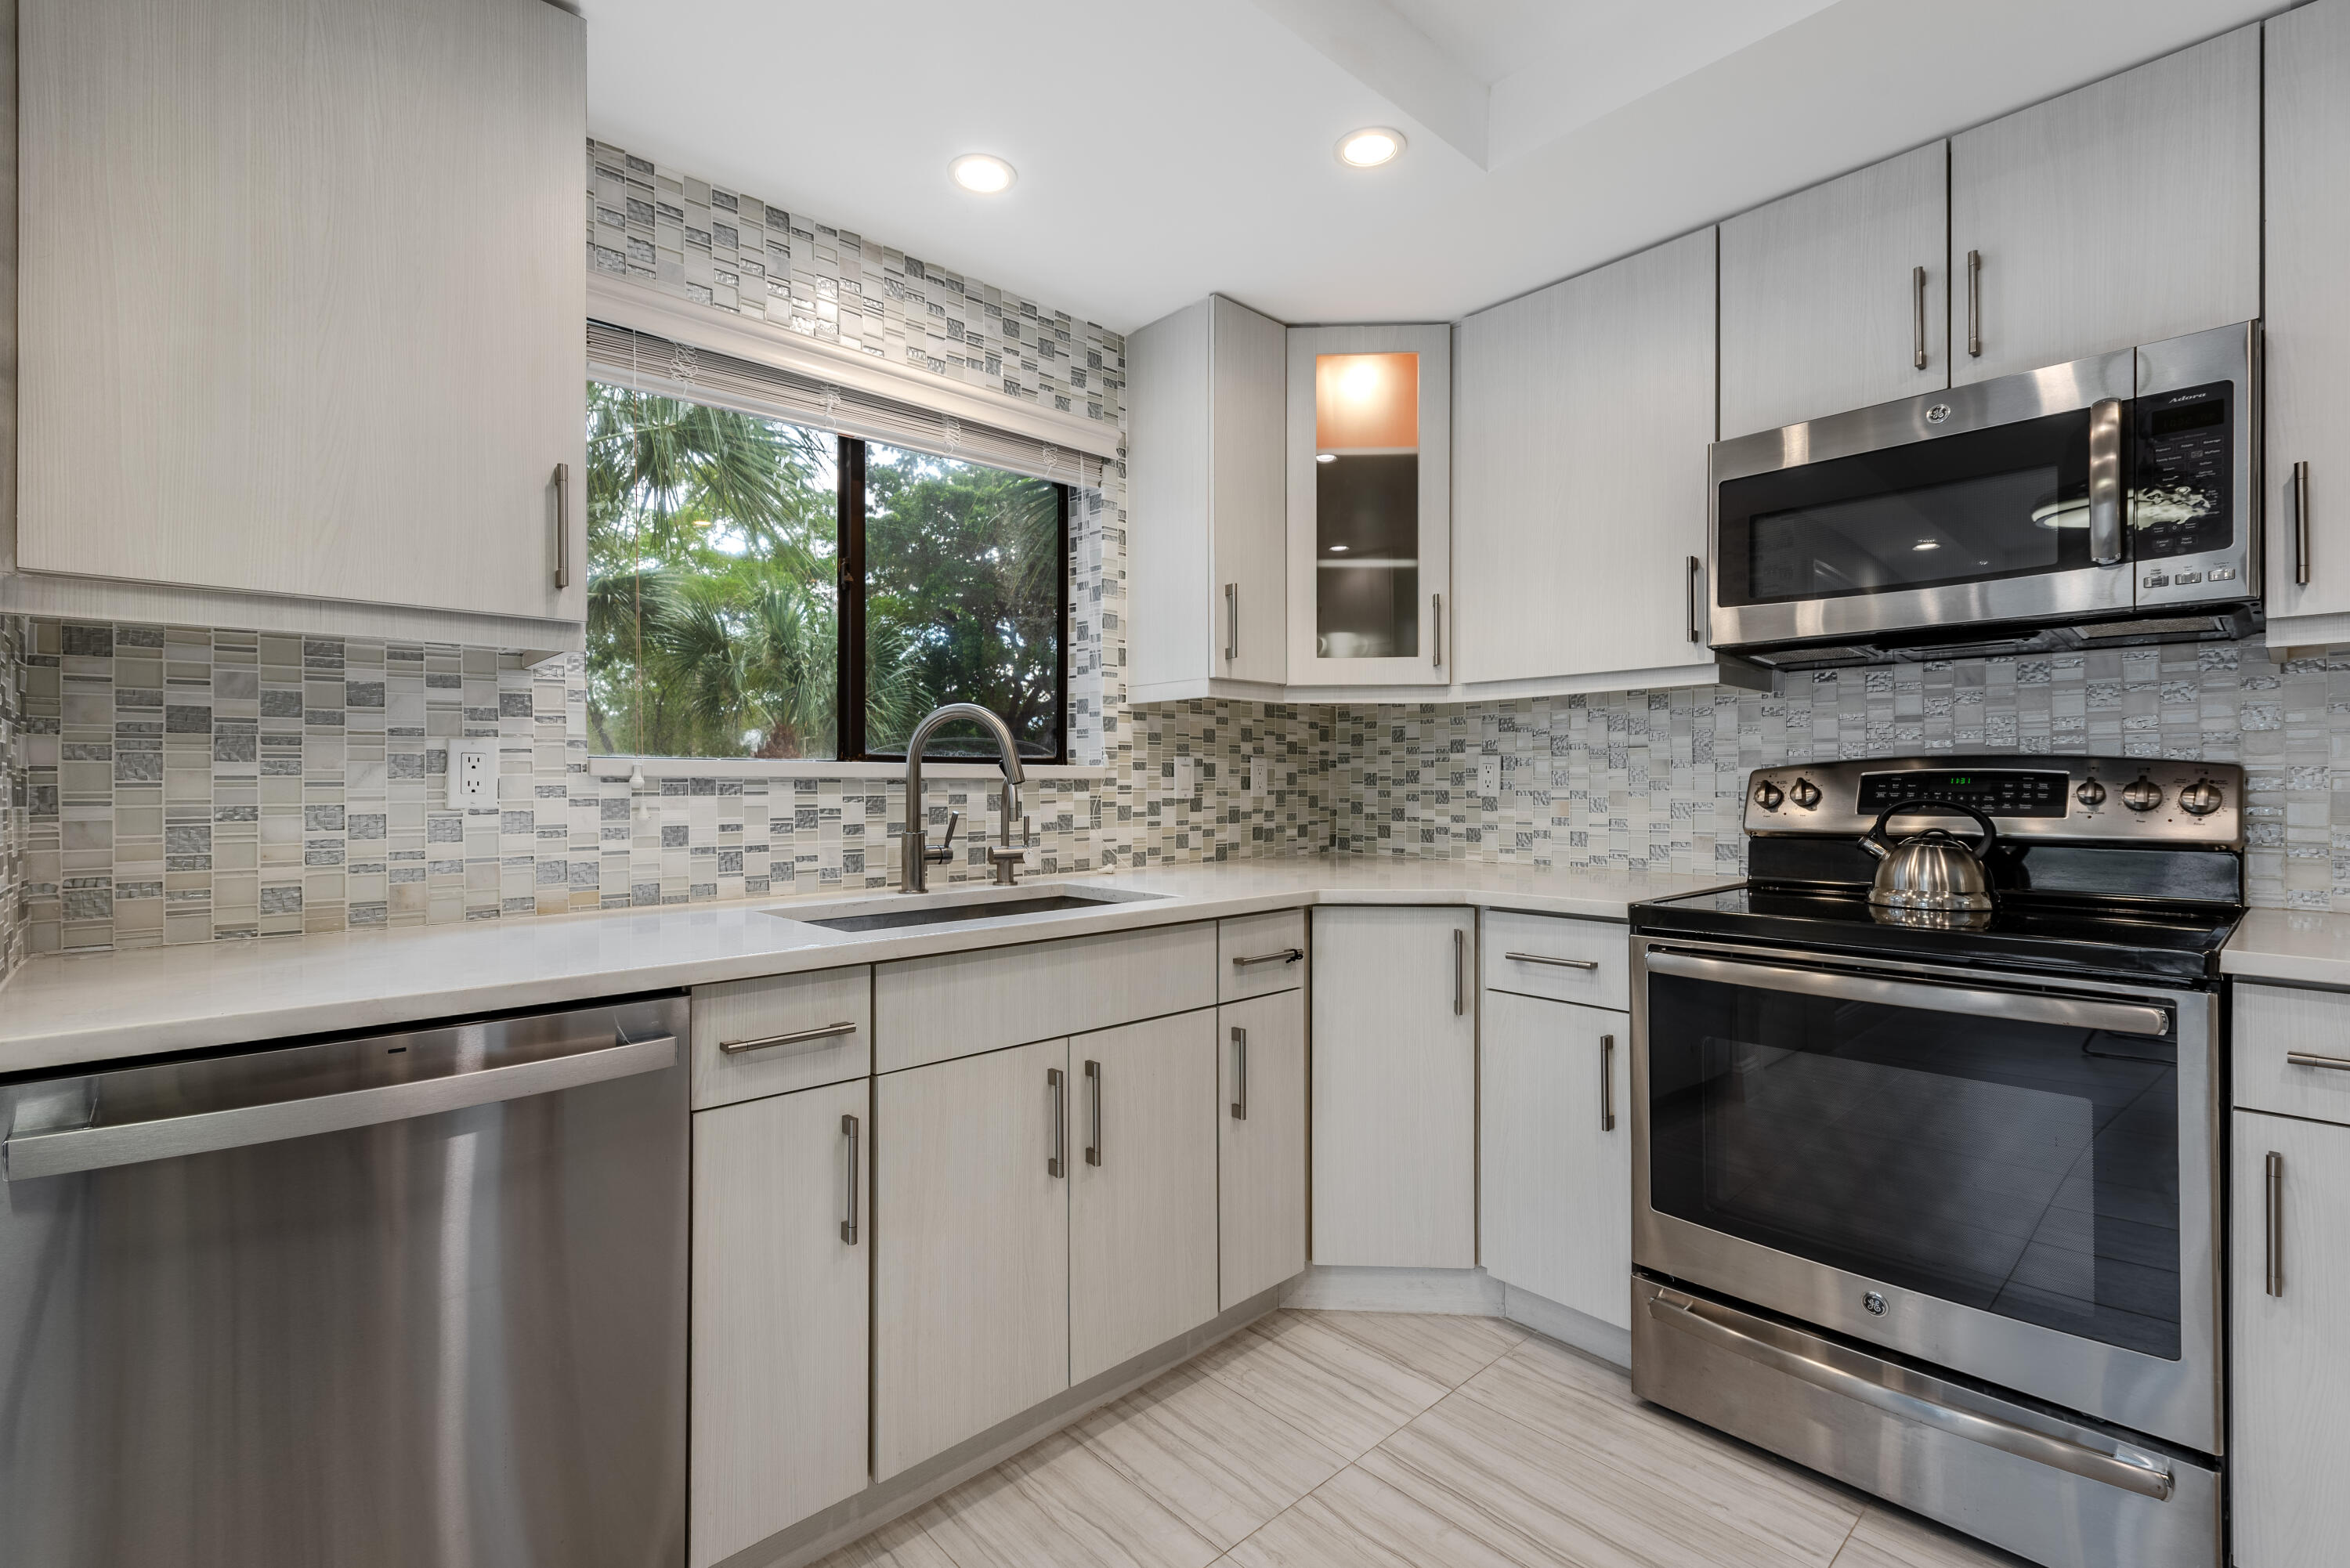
[[848, 735]]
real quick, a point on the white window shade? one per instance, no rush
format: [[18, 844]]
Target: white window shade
[[624, 357]]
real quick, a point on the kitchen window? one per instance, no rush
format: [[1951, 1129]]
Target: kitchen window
[[760, 588]]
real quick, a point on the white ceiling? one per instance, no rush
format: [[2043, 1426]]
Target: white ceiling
[[1166, 151]]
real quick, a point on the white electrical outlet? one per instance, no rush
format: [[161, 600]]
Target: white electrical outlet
[[473, 774], [1488, 775]]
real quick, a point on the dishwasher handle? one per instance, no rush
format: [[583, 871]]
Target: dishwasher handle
[[26, 1156]]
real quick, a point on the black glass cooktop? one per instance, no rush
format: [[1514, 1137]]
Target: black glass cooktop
[[2069, 935]]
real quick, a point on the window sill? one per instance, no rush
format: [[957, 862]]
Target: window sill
[[762, 768]]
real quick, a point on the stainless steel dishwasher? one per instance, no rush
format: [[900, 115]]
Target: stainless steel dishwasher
[[407, 1301]]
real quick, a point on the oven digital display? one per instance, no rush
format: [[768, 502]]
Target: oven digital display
[[2001, 794]]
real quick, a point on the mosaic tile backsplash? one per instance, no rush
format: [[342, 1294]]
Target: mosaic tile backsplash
[[183, 785], [1656, 778]]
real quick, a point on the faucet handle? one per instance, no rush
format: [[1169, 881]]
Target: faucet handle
[[945, 851]]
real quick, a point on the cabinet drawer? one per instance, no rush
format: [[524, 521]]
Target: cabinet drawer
[[958, 1005], [1253, 954], [802, 1014], [2273, 1023], [1563, 959]]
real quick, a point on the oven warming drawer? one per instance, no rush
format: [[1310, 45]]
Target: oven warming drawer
[[2049, 1490]]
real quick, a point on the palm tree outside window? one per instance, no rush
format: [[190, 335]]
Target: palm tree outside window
[[760, 589]]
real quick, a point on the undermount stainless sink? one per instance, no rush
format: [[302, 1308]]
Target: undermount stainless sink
[[893, 912]]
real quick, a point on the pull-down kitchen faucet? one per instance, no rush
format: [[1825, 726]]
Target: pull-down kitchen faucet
[[914, 874]]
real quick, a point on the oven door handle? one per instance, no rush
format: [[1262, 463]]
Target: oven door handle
[[1691, 1316], [2082, 1013]]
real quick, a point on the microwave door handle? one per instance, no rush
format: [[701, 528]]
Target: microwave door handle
[[2105, 482]]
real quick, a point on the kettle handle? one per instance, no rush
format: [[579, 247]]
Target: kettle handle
[[1874, 839]]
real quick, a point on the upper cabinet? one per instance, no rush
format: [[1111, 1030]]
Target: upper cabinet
[[1371, 485], [302, 296], [1838, 296], [1585, 411], [2124, 213], [2306, 339], [1205, 504]]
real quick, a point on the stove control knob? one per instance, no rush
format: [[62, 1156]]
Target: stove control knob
[[1768, 795], [2091, 794], [2142, 793], [2200, 798], [1804, 793]]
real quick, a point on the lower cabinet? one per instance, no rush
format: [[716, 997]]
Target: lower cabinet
[[1395, 1087], [779, 1278], [2290, 1333], [1555, 1159], [971, 1213], [1261, 1144], [1142, 1187]]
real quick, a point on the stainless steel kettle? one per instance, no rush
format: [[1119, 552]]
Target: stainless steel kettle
[[1933, 871]]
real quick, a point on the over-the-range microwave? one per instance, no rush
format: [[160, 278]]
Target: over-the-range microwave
[[2115, 500]]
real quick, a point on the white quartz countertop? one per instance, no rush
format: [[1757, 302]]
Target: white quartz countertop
[[64, 1011], [2295, 947]]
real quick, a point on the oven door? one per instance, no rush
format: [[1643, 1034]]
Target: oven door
[[2001, 1177]]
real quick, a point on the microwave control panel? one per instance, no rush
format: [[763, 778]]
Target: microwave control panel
[[2181, 473]]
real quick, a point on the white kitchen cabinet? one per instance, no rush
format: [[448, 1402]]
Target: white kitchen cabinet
[[2124, 212], [1395, 1087], [1142, 1187], [1205, 486], [1555, 1154], [1261, 1144], [1584, 411], [971, 1246], [780, 1321], [1370, 509], [1837, 297], [301, 300], [2306, 328], [2290, 1343]]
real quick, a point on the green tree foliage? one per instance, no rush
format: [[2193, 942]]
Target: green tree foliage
[[713, 555], [963, 570]]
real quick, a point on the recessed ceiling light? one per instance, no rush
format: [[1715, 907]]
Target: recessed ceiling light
[[1325, 457], [1369, 147], [1927, 544], [982, 172], [1337, 549]]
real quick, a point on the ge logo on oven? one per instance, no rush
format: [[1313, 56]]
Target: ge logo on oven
[[1937, 413], [1874, 1302]]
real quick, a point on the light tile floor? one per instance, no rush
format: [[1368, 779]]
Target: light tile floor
[[1322, 1440]]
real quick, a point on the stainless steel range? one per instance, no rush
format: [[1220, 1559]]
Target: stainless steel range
[[1927, 1161]]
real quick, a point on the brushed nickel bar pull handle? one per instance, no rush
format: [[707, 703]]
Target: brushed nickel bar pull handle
[[25, 1155], [1608, 1083], [1700, 1320], [2105, 482], [1286, 955], [2304, 1059], [848, 1223], [1555, 962], [2301, 525], [562, 524], [1436, 640], [1093, 1083], [1057, 1163], [1696, 572], [2273, 1284], [1231, 621], [797, 1037], [1240, 1073], [1917, 291], [1974, 304], [1460, 952]]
